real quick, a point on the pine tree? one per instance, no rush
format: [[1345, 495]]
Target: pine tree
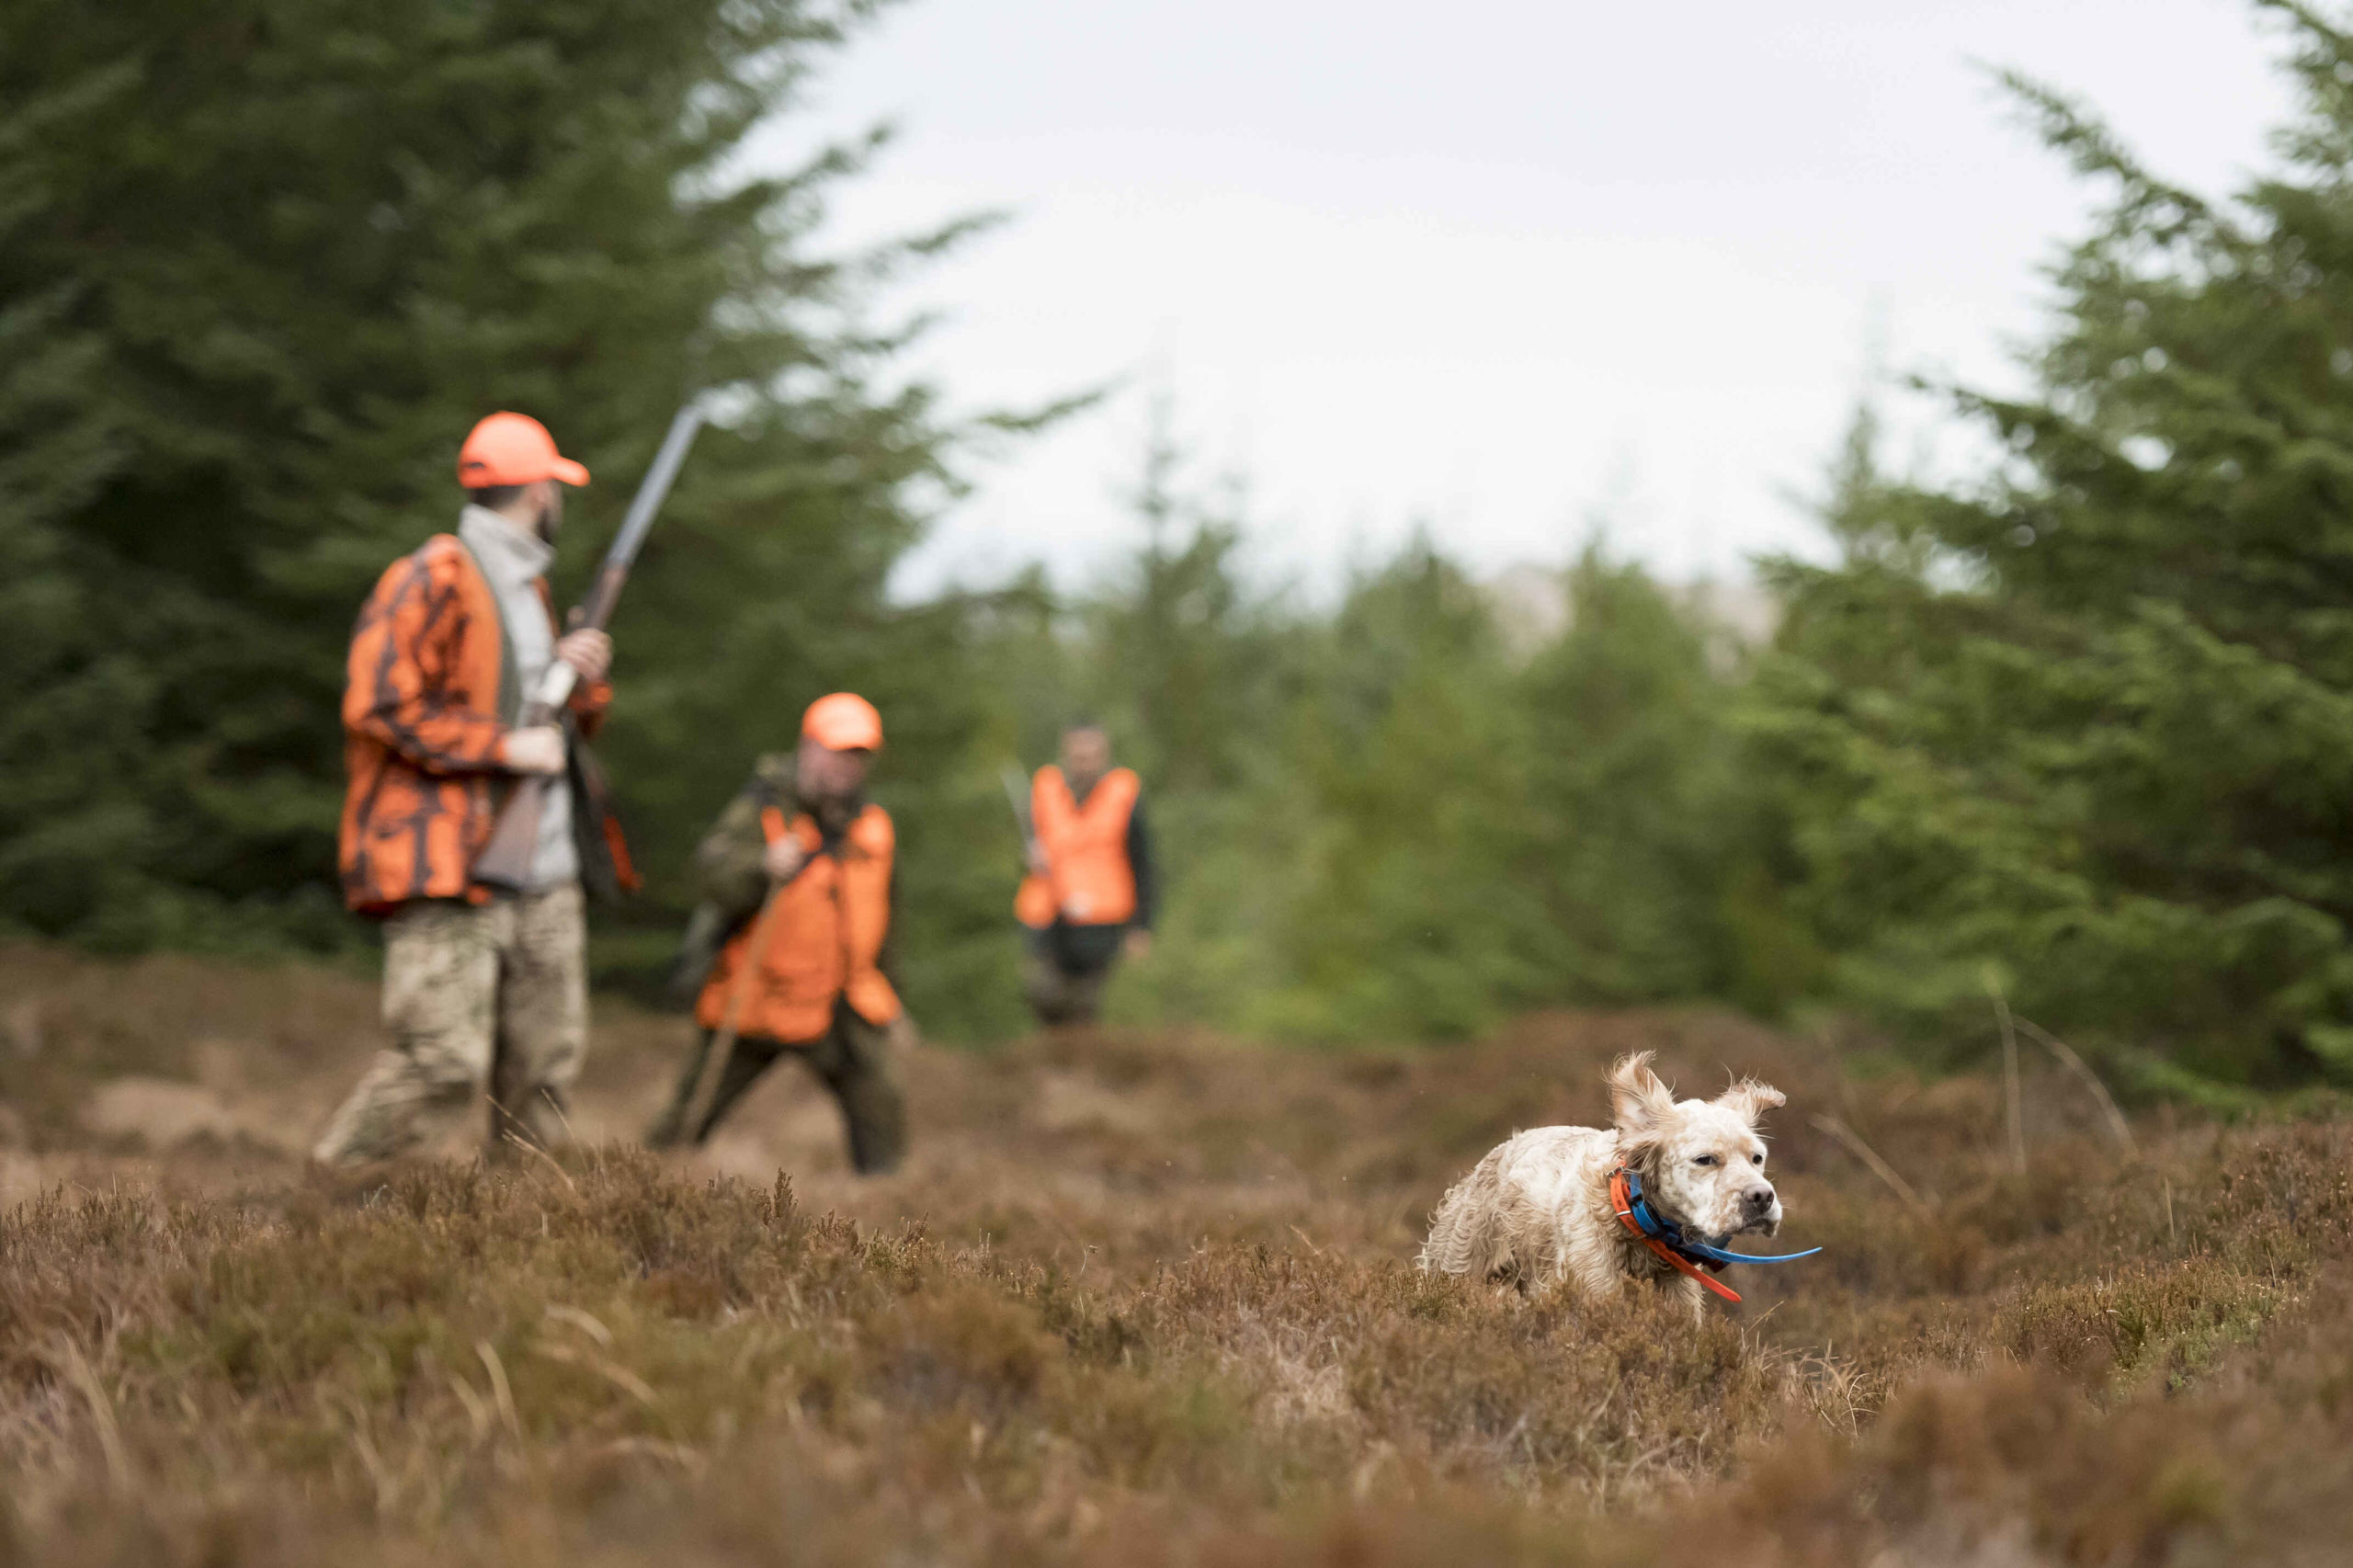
[[1418, 911], [1650, 834], [2085, 728]]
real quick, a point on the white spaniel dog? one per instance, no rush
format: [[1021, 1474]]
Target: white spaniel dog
[[1653, 1198]]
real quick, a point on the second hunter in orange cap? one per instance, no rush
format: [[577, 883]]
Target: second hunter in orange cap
[[788, 952], [844, 722]]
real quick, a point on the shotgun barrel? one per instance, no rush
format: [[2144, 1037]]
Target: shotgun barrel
[[1016, 795]]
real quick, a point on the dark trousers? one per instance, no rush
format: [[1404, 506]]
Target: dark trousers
[[850, 1059], [1065, 968]]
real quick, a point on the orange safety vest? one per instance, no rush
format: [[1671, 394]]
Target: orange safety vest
[[824, 942], [1087, 880]]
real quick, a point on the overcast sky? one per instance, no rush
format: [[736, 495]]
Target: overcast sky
[[1499, 267]]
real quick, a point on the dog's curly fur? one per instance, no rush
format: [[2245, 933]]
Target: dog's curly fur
[[1536, 1212]]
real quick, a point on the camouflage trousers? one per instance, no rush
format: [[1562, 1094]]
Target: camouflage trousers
[[851, 1059], [490, 995]]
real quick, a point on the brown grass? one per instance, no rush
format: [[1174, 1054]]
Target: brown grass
[[1135, 1300]]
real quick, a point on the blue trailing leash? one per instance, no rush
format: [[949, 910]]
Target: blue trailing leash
[[1667, 1239]]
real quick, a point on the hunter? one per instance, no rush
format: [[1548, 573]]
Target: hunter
[[482, 988], [797, 884], [1091, 890]]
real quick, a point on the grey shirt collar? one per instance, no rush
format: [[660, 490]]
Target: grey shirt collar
[[512, 556]]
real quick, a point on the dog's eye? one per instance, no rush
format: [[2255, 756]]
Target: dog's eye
[[1756, 1159], [1703, 1160]]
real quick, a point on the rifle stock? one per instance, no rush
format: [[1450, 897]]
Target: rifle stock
[[506, 859]]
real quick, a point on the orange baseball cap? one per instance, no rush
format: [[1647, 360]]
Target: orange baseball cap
[[844, 722], [514, 449]]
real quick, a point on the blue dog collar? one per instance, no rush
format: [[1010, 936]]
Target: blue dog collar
[[1660, 1229]]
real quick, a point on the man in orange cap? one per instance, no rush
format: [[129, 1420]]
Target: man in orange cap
[[797, 885], [482, 989]]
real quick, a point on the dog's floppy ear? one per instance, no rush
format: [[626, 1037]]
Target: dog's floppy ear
[[1638, 1100], [1749, 1099]]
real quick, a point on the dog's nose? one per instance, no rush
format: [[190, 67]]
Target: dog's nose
[[1759, 1199]]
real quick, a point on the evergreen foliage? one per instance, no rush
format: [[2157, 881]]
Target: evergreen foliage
[[261, 265], [2085, 728], [1418, 761], [1663, 870]]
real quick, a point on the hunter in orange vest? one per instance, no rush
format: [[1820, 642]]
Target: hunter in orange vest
[[481, 991], [1090, 894], [797, 885]]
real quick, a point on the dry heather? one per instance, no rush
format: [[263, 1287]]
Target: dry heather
[[1135, 1300]]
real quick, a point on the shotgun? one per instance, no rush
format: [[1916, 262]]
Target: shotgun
[[505, 860], [1016, 794]]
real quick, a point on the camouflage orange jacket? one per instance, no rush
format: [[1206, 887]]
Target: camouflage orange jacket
[[427, 706]]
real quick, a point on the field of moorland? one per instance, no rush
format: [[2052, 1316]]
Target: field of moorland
[[1135, 1300]]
